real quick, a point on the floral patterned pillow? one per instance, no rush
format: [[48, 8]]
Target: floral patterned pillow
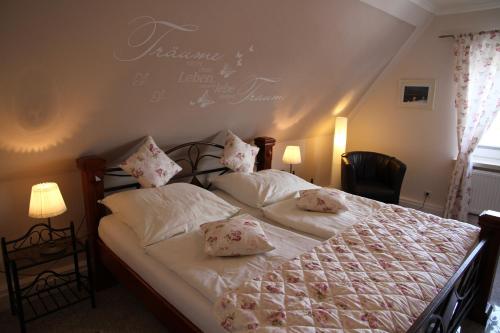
[[238, 236], [150, 165], [321, 200], [238, 155]]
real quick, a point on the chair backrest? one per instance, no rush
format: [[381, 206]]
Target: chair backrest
[[370, 165]]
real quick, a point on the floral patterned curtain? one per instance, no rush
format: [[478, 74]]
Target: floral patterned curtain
[[477, 101]]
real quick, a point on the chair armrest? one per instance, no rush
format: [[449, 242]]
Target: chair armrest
[[397, 170], [348, 175]]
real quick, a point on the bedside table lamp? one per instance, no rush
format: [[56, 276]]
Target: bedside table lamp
[[292, 156], [46, 201]]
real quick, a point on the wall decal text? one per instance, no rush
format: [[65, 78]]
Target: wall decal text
[[211, 80]]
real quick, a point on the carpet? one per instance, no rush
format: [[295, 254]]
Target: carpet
[[117, 311]]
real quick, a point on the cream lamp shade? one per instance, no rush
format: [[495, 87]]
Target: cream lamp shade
[[292, 155], [46, 201]]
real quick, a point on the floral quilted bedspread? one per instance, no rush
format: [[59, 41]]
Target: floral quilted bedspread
[[377, 276]]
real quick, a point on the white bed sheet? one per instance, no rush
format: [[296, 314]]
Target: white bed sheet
[[245, 209], [212, 276], [260, 214], [125, 244], [195, 306], [322, 225]]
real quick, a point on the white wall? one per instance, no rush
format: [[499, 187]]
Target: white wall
[[316, 155], [65, 90], [424, 140]]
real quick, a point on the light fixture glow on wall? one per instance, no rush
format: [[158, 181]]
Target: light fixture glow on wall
[[292, 156], [339, 147]]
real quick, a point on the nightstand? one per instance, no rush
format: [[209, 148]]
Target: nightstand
[[45, 291]]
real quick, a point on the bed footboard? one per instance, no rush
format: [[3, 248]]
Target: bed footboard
[[489, 221], [468, 291]]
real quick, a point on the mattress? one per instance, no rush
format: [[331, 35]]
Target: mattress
[[176, 290], [212, 275], [122, 240], [125, 244]]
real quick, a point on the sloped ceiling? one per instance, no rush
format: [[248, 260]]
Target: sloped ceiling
[[85, 77], [444, 7]]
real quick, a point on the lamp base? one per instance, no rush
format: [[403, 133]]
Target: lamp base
[[52, 248]]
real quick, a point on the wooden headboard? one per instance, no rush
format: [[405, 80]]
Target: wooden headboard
[[93, 171]]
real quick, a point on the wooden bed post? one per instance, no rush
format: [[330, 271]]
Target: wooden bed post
[[265, 155], [92, 171], [489, 221]]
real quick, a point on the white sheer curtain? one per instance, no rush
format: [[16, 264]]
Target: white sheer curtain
[[477, 101]]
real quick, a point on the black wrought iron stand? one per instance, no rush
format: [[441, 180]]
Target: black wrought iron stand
[[48, 291]]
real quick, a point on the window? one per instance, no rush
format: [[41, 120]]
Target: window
[[492, 137], [487, 154]]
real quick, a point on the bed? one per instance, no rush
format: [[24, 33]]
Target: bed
[[181, 308]]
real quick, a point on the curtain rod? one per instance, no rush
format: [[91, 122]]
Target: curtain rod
[[481, 32]]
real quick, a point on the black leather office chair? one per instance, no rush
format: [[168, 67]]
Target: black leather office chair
[[372, 175]]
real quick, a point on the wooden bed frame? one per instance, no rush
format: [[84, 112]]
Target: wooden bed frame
[[465, 294]]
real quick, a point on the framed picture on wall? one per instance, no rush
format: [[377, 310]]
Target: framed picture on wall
[[418, 94]]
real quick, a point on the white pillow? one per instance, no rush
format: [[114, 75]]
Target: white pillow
[[150, 165], [160, 213], [262, 188], [241, 235], [238, 155]]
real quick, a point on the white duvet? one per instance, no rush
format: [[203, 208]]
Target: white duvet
[[211, 276], [322, 225]]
